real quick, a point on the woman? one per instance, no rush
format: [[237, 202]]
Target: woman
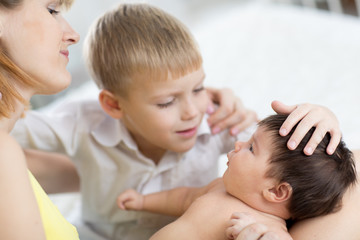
[[34, 41]]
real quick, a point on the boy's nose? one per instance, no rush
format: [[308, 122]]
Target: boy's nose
[[189, 111]]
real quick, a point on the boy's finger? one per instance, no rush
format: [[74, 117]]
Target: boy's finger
[[295, 116], [281, 108], [334, 142], [317, 136], [300, 131], [247, 122]]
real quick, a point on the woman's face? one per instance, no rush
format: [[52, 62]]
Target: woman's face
[[37, 37]]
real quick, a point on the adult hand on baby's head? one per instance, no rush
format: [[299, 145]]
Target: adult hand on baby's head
[[230, 114], [243, 226], [130, 200], [308, 116]]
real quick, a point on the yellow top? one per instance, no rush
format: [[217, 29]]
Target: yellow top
[[55, 225]]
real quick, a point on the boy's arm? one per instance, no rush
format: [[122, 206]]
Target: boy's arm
[[308, 116], [55, 172], [172, 202]]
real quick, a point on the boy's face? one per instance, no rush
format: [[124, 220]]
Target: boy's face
[[247, 165], [165, 115]]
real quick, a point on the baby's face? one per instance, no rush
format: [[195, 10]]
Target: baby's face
[[247, 165], [165, 115]]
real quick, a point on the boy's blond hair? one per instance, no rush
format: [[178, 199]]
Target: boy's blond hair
[[139, 42]]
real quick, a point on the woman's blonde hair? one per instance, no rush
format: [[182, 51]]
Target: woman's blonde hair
[[138, 41], [10, 73]]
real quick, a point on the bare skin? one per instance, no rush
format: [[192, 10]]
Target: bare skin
[[211, 205]]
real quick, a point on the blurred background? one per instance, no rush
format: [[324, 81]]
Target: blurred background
[[191, 12]]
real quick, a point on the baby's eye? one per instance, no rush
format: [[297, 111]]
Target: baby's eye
[[251, 148]]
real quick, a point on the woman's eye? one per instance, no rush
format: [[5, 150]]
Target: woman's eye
[[53, 11], [199, 89]]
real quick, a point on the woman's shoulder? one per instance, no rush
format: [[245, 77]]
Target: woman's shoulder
[[8, 146]]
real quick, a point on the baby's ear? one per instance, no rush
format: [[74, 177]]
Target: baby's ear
[[279, 193], [110, 104]]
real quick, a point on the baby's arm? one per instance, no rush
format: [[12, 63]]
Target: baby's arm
[[308, 116], [172, 202]]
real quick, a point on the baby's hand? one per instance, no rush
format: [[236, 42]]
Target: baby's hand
[[243, 226], [130, 200], [237, 223]]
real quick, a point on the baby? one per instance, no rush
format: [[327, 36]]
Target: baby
[[263, 178]]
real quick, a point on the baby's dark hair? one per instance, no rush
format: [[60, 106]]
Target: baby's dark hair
[[318, 181]]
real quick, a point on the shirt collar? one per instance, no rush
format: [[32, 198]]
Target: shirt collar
[[110, 132]]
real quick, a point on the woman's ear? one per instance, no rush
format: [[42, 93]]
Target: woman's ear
[[110, 104], [278, 193]]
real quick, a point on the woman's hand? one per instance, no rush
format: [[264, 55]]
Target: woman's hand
[[230, 113], [308, 116]]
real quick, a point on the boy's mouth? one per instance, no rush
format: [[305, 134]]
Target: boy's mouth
[[188, 133]]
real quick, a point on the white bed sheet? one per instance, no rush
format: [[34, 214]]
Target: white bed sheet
[[266, 52]]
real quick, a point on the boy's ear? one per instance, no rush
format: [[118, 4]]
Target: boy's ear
[[110, 104], [278, 193]]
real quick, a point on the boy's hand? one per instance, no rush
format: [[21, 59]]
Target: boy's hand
[[243, 226], [309, 116], [130, 200], [231, 113]]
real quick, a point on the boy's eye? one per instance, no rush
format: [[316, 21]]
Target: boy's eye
[[199, 89], [53, 11], [165, 105]]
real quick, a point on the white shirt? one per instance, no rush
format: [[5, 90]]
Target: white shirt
[[108, 162]]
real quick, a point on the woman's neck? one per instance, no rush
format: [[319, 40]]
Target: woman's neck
[[7, 124]]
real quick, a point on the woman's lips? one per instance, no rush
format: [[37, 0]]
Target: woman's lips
[[65, 53], [188, 133]]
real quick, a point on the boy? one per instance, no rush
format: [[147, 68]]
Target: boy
[[272, 183], [146, 132]]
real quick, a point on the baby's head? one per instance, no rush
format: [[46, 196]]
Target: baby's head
[[318, 181], [138, 43], [269, 177]]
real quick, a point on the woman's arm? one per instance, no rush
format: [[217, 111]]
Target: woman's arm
[[19, 213]]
